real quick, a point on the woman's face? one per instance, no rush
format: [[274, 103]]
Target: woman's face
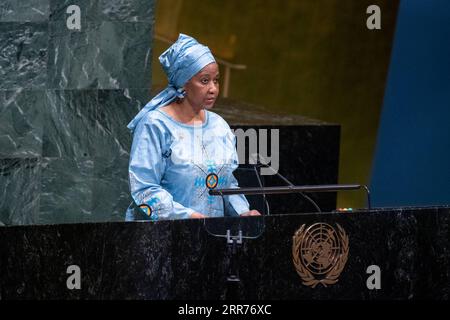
[[202, 89]]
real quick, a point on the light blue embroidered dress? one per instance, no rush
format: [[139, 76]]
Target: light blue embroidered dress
[[173, 166]]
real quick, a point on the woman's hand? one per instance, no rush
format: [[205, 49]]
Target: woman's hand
[[251, 213], [198, 215]]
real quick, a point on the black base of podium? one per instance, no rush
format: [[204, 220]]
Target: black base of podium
[[410, 248]]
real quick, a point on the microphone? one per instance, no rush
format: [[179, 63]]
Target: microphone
[[261, 186], [257, 156], [291, 188]]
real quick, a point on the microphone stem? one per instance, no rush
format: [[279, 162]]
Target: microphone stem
[[291, 184]]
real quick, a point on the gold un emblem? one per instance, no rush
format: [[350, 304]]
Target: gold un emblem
[[319, 253]]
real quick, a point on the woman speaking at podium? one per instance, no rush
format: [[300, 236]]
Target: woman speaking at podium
[[180, 149]]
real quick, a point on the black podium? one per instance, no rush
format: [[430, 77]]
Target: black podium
[[401, 253]]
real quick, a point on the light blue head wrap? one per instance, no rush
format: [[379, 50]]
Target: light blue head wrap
[[181, 61]]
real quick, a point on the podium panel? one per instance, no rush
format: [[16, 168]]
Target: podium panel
[[398, 253]]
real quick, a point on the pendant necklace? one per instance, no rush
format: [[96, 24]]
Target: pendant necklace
[[212, 179]]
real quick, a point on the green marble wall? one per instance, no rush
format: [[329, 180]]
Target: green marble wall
[[65, 99]]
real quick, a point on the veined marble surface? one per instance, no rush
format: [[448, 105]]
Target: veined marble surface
[[66, 97]]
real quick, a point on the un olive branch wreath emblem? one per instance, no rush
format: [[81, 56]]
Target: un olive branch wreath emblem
[[320, 251]]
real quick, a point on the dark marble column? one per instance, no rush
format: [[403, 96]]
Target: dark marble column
[[66, 97]]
